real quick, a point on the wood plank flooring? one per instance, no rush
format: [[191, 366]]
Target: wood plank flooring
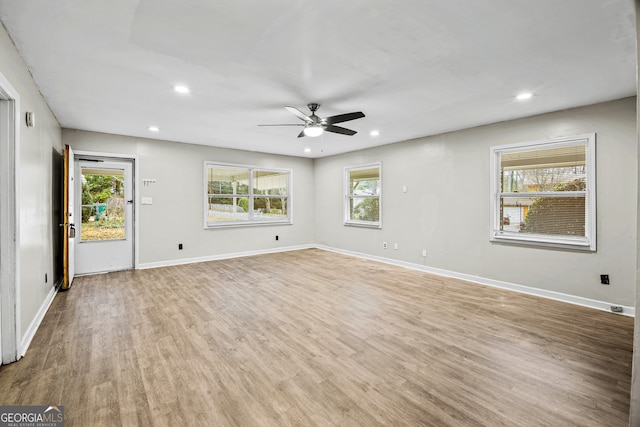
[[314, 338]]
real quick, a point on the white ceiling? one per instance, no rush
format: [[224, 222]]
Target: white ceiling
[[414, 67]]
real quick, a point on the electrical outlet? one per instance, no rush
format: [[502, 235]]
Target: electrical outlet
[[424, 252], [395, 246], [384, 245], [180, 246], [604, 279], [277, 237], [46, 278]]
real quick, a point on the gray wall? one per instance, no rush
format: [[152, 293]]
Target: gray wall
[[445, 210], [446, 207], [176, 215], [34, 176]]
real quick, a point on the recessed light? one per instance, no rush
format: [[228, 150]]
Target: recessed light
[[307, 150], [154, 129], [524, 96], [181, 89], [374, 132]]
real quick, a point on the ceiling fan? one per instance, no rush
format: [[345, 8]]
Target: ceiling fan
[[315, 126]]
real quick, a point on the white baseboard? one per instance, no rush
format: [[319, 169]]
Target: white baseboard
[[558, 296], [168, 263], [33, 327], [571, 299]]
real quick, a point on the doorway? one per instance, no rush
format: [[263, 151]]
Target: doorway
[[9, 224], [57, 214], [104, 195]]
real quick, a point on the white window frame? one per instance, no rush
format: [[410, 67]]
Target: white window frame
[[252, 221], [588, 242], [347, 196]]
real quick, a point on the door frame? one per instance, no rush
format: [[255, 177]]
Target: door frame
[[82, 154], [10, 328]]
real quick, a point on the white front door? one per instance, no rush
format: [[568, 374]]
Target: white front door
[[104, 202]]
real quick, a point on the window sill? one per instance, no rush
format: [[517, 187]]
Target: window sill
[[210, 226], [363, 224], [581, 245]]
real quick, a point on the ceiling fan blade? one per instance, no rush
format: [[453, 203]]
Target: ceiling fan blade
[[286, 124], [339, 129], [301, 134], [299, 114], [343, 117]]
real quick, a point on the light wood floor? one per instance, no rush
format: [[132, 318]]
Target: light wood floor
[[313, 338]]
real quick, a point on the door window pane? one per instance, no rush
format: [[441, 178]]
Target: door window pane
[[102, 204]]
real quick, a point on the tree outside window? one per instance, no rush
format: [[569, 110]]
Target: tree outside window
[[246, 195], [363, 189]]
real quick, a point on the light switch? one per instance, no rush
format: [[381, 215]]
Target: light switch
[[147, 201]]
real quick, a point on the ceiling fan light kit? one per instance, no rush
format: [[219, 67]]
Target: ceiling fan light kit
[[316, 126], [313, 130]]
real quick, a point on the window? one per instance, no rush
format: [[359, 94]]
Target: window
[[245, 195], [363, 189], [544, 193], [103, 203]]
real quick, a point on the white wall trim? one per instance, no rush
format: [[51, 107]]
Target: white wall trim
[[183, 261], [10, 223], [136, 189], [35, 324], [103, 154], [571, 299], [557, 296]]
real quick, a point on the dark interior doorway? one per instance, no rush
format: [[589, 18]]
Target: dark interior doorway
[[57, 214]]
